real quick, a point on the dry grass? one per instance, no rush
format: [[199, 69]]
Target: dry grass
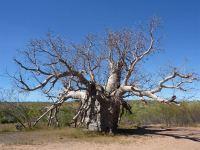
[[7, 128], [9, 135]]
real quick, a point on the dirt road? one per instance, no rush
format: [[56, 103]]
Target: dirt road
[[128, 139]]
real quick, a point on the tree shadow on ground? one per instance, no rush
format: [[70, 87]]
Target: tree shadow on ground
[[178, 133]]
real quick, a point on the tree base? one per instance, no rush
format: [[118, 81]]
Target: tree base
[[106, 120]]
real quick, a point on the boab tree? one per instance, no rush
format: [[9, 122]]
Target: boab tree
[[99, 72]]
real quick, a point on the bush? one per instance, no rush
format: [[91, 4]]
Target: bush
[[170, 115], [154, 113], [65, 115]]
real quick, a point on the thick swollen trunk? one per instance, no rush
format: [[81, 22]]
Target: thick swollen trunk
[[103, 116]]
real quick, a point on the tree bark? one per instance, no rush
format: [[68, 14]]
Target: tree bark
[[106, 115], [103, 111]]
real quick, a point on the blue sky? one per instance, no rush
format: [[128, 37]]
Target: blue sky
[[21, 20]]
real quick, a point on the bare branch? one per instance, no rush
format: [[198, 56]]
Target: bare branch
[[63, 97], [38, 70], [141, 93], [141, 56], [188, 78]]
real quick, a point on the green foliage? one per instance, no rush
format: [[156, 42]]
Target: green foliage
[[170, 115], [65, 115], [26, 113], [154, 113], [15, 112]]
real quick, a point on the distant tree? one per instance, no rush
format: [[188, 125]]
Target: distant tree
[[100, 72]]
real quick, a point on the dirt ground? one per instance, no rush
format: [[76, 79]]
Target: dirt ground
[[146, 138]]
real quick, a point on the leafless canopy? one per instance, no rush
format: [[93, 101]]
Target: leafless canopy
[[97, 71]]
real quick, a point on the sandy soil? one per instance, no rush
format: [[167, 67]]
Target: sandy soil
[[128, 139]]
